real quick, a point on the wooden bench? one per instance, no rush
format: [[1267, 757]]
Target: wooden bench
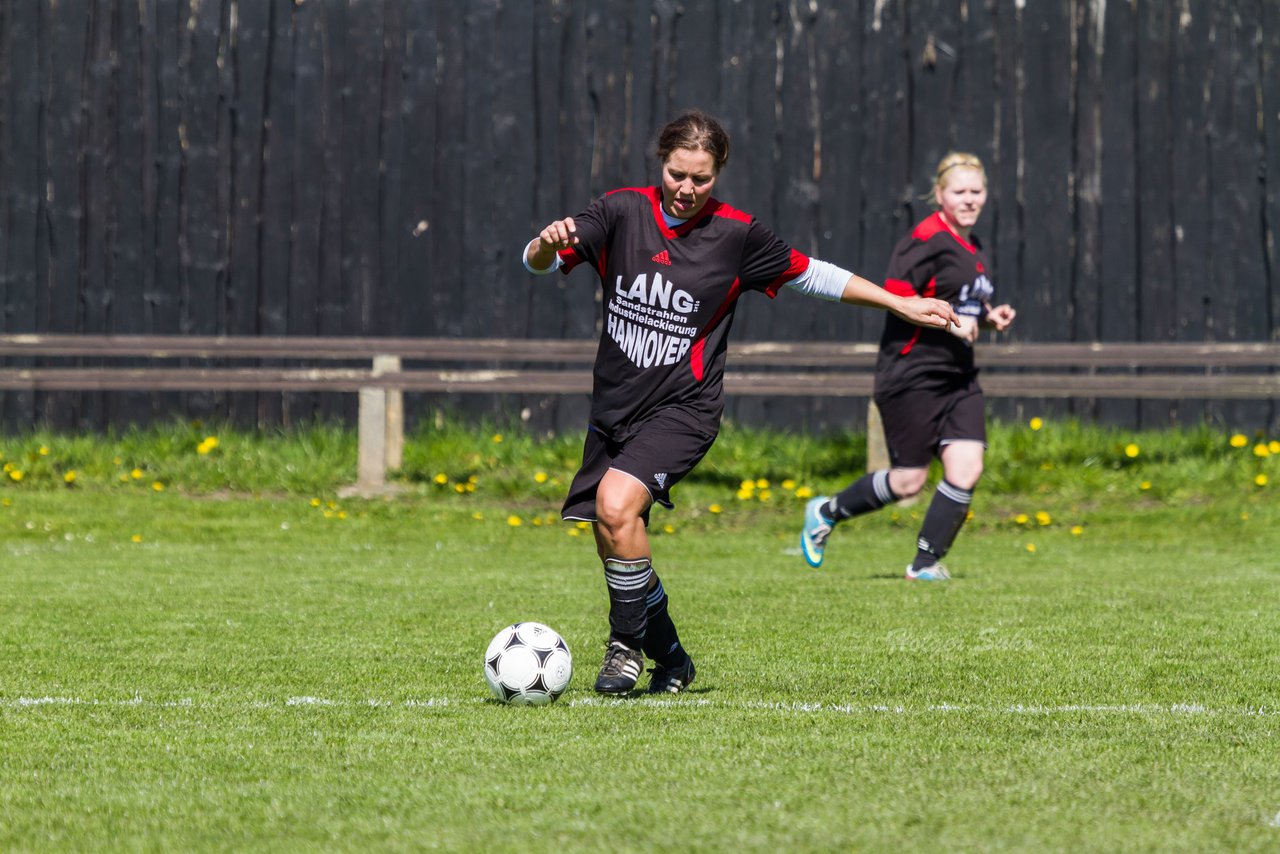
[[553, 366]]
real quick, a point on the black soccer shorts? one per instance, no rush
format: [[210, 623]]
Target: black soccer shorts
[[918, 422], [659, 454]]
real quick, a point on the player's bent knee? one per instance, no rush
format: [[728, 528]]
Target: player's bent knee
[[907, 483]]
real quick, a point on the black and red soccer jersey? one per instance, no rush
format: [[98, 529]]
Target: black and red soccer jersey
[[669, 298], [932, 261]]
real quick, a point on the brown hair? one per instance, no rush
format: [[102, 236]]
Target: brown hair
[[695, 130]]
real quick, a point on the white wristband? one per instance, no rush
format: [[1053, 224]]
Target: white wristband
[[524, 256]]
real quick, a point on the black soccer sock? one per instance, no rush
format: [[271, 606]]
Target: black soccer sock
[[867, 493], [628, 582], [661, 643], [947, 512]]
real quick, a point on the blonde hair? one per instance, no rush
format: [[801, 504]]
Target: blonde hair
[[955, 160]]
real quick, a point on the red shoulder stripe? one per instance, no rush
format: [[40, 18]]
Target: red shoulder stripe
[[799, 263]]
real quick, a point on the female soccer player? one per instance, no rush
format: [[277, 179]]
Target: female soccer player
[[926, 382], [673, 262]]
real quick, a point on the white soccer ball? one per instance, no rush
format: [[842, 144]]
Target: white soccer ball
[[527, 664]]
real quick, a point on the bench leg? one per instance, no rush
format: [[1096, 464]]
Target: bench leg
[[381, 429]]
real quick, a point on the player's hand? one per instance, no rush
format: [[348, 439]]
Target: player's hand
[[927, 311], [561, 234], [966, 330], [1001, 317]]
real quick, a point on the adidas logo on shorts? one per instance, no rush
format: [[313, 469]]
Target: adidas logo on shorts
[[661, 479]]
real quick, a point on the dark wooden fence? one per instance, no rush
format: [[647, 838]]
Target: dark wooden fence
[[352, 167]]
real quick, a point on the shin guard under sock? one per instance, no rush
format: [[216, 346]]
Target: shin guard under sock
[[628, 582], [947, 513]]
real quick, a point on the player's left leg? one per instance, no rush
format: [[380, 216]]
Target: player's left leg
[[962, 468]]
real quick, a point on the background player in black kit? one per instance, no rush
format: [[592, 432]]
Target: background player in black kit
[[673, 261], [926, 381]]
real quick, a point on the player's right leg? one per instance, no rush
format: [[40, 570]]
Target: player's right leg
[[623, 545], [867, 494]]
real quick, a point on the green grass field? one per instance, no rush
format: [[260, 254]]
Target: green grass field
[[209, 650]]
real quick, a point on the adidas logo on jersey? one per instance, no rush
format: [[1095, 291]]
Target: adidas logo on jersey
[[662, 257], [661, 479]]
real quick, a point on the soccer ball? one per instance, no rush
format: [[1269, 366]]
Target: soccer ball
[[527, 664]]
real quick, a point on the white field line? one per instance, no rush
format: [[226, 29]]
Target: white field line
[[1175, 710]]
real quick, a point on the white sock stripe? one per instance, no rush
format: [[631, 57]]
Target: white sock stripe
[[628, 580], [620, 565], [880, 481], [955, 493]]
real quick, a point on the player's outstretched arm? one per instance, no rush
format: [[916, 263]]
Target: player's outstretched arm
[[922, 311], [540, 254]]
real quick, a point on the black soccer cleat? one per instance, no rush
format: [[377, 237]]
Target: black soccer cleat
[[620, 670], [672, 680]]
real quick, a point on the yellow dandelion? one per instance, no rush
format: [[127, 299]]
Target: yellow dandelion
[[745, 494], [69, 477], [477, 515], [211, 442], [1261, 480], [6, 502], [1031, 547], [328, 514], [765, 495], [1043, 518], [441, 478], [747, 484], [472, 479], [1046, 466], [1036, 423], [761, 483], [1261, 450], [157, 486], [804, 492], [1077, 530], [333, 505], [968, 516], [1239, 440], [574, 532], [8, 467], [44, 451], [16, 475], [514, 521], [668, 529], [714, 508], [1244, 517], [315, 502], [1274, 446], [789, 485], [1131, 450], [124, 477], [115, 461], [342, 514], [536, 522], [1145, 485], [471, 487], [1021, 519], [540, 477], [582, 526], [136, 474], [497, 438], [459, 488], [136, 538]]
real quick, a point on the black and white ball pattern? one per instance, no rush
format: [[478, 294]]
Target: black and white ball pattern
[[527, 664]]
